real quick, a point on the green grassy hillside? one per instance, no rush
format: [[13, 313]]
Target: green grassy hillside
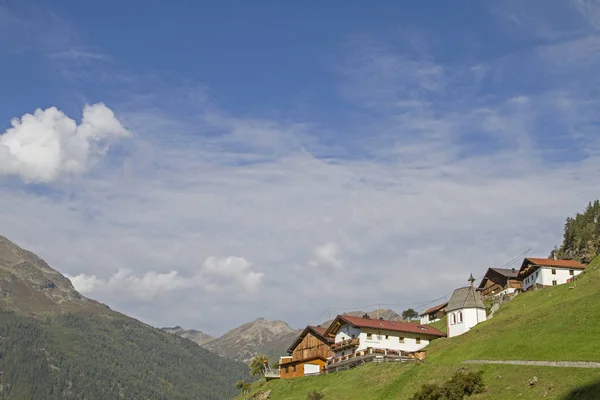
[[552, 324], [559, 323], [440, 325]]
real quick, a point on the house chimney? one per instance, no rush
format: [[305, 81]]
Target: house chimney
[[366, 316]]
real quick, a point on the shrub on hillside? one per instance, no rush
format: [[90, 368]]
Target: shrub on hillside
[[428, 392], [460, 385], [314, 395]]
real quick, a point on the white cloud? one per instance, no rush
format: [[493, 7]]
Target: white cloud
[[327, 256], [149, 286], [46, 145], [226, 274], [446, 170], [590, 10], [231, 270], [85, 283]]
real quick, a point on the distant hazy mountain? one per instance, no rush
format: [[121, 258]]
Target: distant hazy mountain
[[252, 338], [198, 337], [57, 344], [272, 338]]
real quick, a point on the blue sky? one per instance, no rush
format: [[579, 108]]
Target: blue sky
[[382, 152]]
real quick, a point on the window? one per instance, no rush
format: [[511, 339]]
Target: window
[[453, 319], [287, 369], [460, 318], [387, 336], [293, 368], [553, 271], [369, 336], [401, 340], [553, 283], [571, 272], [418, 340]]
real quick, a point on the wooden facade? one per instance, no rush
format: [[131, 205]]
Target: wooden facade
[[497, 280], [311, 348], [295, 369]]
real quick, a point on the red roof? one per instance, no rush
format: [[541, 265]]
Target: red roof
[[434, 309], [547, 262], [319, 329], [360, 322]]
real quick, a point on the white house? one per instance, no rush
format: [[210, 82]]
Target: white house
[[361, 333], [542, 272], [433, 314], [465, 310]]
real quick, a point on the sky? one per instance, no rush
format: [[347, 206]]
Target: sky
[[203, 165]]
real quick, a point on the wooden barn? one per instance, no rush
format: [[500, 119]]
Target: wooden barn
[[307, 355], [498, 281]]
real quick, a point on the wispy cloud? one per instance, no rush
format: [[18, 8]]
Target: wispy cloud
[[442, 170], [216, 275]]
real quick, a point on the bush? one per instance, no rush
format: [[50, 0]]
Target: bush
[[464, 383], [460, 385], [314, 395], [428, 392]]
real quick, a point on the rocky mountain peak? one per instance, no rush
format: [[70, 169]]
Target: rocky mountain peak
[[255, 337], [192, 334], [29, 285]]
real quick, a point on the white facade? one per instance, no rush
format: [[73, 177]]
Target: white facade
[[381, 339], [549, 276], [462, 320], [505, 291], [425, 319], [311, 369]]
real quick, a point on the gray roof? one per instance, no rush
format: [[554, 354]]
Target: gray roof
[[509, 273], [465, 297]]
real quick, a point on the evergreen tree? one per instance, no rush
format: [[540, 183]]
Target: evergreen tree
[[581, 237]]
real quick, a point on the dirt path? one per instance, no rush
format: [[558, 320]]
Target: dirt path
[[571, 364]]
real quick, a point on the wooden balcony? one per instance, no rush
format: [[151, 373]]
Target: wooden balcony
[[270, 373], [347, 362], [345, 344]]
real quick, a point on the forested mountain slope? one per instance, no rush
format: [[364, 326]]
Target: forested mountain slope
[[57, 344]]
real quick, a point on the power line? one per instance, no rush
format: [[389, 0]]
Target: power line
[[418, 305]]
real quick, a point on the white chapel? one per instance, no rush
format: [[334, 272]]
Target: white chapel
[[465, 309]]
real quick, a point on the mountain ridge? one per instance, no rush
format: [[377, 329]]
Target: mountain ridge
[[194, 335], [261, 336], [57, 344]]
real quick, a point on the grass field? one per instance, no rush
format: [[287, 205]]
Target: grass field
[[440, 325], [401, 381], [558, 323]]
